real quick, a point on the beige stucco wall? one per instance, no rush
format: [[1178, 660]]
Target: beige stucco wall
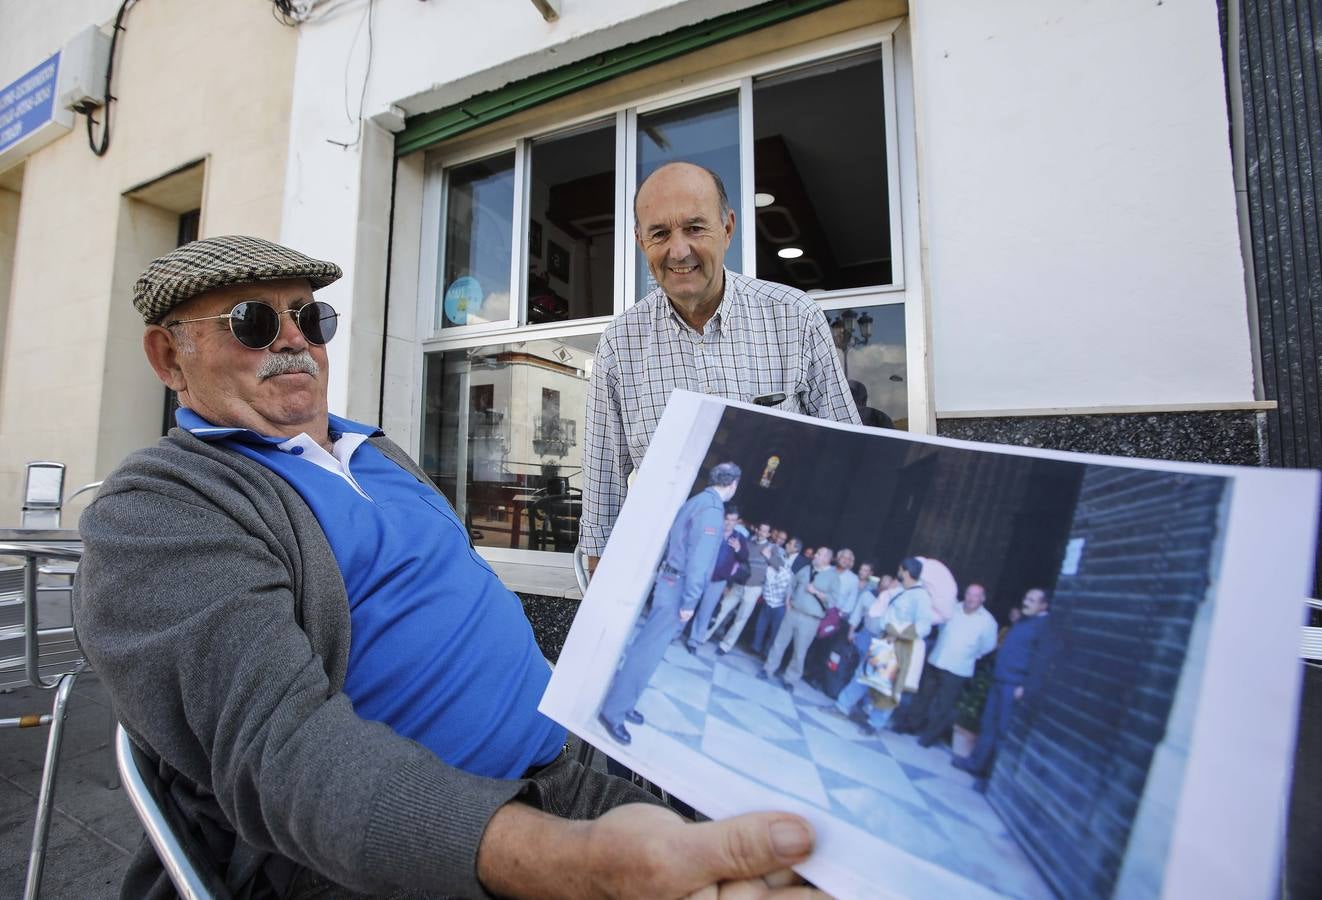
[[194, 81]]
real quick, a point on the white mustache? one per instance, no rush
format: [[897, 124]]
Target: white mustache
[[287, 363]]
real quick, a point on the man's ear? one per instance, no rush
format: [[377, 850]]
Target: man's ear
[[729, 225], [163, 354]]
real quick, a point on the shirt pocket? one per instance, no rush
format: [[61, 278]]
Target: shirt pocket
[[442, 506], [789, 404]]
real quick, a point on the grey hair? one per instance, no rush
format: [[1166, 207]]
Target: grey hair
[[183, 341], [722, 198]]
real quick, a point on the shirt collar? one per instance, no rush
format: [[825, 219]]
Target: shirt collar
[[717, 322], [201, 428]]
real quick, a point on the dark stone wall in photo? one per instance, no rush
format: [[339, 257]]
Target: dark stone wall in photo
[[1072, 771]]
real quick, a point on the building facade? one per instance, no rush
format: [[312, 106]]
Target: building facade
[[198, 144], [1028, 221], [1019, 233]]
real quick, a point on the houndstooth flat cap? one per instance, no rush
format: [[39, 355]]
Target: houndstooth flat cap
[[218, 261]]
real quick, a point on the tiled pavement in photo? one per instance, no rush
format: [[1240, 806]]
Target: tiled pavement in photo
[[908, 795]]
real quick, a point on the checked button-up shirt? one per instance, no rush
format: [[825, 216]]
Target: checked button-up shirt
[[765, 338]]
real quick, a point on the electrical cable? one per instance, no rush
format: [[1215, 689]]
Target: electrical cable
[[367, 74], [280, 12], [100, 149], [293, 13]]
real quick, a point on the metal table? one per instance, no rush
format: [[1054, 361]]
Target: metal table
[[45, 552], [55, 536]]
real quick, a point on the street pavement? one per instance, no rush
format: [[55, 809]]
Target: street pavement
[[94, 830]]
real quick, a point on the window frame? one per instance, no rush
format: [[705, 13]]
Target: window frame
[[905, 288]]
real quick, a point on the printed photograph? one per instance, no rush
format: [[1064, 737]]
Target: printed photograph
[[988, 661]]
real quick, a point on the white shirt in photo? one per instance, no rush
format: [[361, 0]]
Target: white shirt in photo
[[964, 639]]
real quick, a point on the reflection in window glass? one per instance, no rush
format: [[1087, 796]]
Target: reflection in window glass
[[571, 226], [475, 287], [502, 438], [819, 162], [705, 132], [870, 341]]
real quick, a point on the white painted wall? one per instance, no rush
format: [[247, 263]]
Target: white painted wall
[[1079, 210], [425, 56], [1079, 233]]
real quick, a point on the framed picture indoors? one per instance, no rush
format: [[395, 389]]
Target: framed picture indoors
[[557, 261], [534, 239]]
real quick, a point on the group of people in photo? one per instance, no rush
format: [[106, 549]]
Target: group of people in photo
[[879, 645]]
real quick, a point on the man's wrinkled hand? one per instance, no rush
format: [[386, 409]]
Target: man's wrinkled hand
[[648, 851]]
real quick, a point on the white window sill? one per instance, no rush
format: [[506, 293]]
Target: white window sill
[[537, 578]]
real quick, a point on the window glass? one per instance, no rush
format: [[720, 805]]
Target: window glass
[[502, 438], [705, 132], [475, 284], [870, 341], [571, 226], [819, 163]]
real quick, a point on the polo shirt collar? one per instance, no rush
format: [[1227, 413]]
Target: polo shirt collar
[[201, 428]]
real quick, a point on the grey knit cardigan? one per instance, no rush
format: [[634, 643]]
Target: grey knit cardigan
[[210, 603]]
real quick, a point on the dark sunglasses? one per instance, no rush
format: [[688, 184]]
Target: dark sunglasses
[[256, 323]]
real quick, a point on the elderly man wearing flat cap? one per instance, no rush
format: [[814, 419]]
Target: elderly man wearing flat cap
[[339, 693]]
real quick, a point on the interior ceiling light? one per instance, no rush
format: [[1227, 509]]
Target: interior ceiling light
[[760, 199], [789, 252]]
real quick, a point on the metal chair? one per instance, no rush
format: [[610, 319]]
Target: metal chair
[[50, 659], [581, 574], [43, 494], [1310, 638], [554, 521], [178, 851]]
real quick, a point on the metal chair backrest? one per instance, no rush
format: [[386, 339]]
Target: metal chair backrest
[[43, 494], [175, 848], [1310, 641], [36, 582], [554, 521], [581, 574]]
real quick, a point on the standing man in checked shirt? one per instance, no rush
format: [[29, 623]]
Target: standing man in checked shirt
[[705, 329]]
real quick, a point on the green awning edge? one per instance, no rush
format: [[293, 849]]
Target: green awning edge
[[426, 129]]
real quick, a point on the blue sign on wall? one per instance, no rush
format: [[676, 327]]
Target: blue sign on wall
[[28, 103]]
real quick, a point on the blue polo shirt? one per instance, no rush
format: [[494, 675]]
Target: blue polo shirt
[[440, 650]]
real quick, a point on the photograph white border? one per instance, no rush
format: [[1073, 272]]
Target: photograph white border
[[1228, 825]]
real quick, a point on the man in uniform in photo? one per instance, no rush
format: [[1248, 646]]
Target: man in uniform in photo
[[704, 329], [685, 571]]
